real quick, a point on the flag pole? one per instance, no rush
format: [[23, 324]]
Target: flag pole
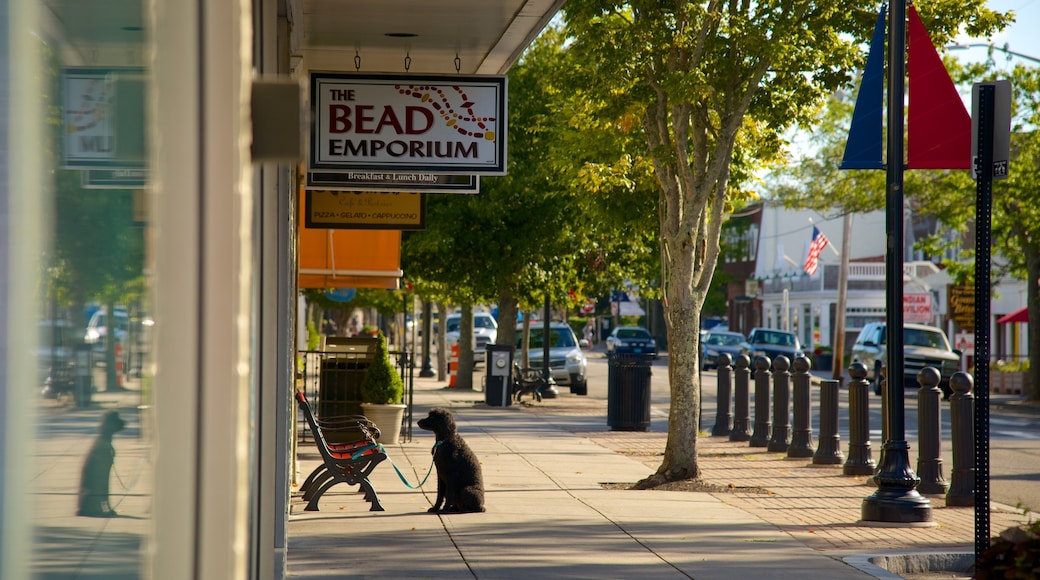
[[896, 501]]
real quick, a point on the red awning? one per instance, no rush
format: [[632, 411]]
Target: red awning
[[1016, 316]]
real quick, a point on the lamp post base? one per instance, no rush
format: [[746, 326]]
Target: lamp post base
[[896, 502]]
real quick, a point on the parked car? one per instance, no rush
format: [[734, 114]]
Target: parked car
[[485, 332], [714, 343], [567, 360], [773, 343], [923, 346], [631, 340]]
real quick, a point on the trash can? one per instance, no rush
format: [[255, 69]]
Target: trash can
[[498, 387], [344, 363], [628, 392], [84, 377]]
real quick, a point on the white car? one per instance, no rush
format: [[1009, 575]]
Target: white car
[[485, 332]]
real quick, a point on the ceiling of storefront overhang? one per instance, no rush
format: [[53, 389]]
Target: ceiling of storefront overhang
[[486, 35]]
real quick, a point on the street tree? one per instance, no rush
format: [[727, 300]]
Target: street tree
[[540, 230], [714, 86]]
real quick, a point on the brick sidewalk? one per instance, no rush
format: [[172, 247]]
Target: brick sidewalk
[[815, 504]]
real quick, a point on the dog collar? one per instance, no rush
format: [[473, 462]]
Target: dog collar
[[437, 444]]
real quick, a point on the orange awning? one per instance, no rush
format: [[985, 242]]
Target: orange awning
[[343, 258], [1021, 315]]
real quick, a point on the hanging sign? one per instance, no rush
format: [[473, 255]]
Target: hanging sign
[[103, 118], [383, 181], [365, 210], [390, 123]]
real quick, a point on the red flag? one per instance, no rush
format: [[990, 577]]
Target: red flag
[[938, 123], [818, 243]]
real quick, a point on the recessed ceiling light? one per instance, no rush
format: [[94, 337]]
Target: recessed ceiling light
[[401, 34]]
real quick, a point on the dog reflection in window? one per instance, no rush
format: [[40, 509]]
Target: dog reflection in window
[[97, 468]]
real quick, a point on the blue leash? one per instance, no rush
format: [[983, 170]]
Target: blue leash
[[404, 480]]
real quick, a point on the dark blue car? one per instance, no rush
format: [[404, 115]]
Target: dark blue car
[[631, 340]]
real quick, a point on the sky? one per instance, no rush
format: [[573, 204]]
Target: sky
[[1021, 36]]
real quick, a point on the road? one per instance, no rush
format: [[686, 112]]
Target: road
[[1014, 434]]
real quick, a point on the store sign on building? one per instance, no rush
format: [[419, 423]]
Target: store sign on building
[[917, 307], [961, 307], [365, 210], [394, 123]]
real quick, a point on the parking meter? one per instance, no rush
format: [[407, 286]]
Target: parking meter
[[498, 388]]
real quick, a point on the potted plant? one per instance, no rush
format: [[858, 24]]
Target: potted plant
[[381, 393]]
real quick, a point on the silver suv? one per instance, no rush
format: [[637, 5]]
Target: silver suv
[[567, 360], [923, 346]]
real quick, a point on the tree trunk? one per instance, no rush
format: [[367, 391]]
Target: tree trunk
[[111, 378], [465, 376], [507, 309], [1032, 390], [438, 341], [682, 320]]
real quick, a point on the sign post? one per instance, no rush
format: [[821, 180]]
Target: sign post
[[991, 121]]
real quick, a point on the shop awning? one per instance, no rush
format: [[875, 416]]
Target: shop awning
[[1021, 315], [342, 258]]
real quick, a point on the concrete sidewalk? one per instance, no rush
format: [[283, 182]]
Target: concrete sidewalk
[[549, 516]]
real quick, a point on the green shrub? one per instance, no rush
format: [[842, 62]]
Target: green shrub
[[1014, 366], [381, 385], [1014, 554]]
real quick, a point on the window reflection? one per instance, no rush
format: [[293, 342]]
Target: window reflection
[[92, 481]]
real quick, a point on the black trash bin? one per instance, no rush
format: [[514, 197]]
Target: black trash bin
[[498, 386], [84, 376], [628, 392], [344, 364]]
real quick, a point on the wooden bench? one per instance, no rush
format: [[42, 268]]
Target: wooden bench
[[351, 461]]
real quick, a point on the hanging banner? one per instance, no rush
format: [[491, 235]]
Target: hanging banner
[[365, 210], [392, 123]]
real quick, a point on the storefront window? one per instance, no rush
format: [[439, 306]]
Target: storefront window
[[89, 452]]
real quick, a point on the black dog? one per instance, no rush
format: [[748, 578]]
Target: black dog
[[460, 485], [93, 486]]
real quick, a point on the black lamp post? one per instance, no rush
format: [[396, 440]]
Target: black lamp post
[[427, 330], [895, 501]]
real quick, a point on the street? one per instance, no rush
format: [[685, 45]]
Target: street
[[1014, 433]]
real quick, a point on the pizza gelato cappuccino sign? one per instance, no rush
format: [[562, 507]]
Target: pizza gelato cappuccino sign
[[408, 123]]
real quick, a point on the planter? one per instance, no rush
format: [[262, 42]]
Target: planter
[[823, 361], [388, 418], [1008, 383]]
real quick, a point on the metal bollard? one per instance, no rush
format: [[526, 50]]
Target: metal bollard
[[780, 439], [962, 427], [725, 386], [760, 436], [741, 398], [929, 434], [860, 461], [801, 438], [829, 451]]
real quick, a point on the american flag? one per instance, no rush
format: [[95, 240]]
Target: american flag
[[819, 242]]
